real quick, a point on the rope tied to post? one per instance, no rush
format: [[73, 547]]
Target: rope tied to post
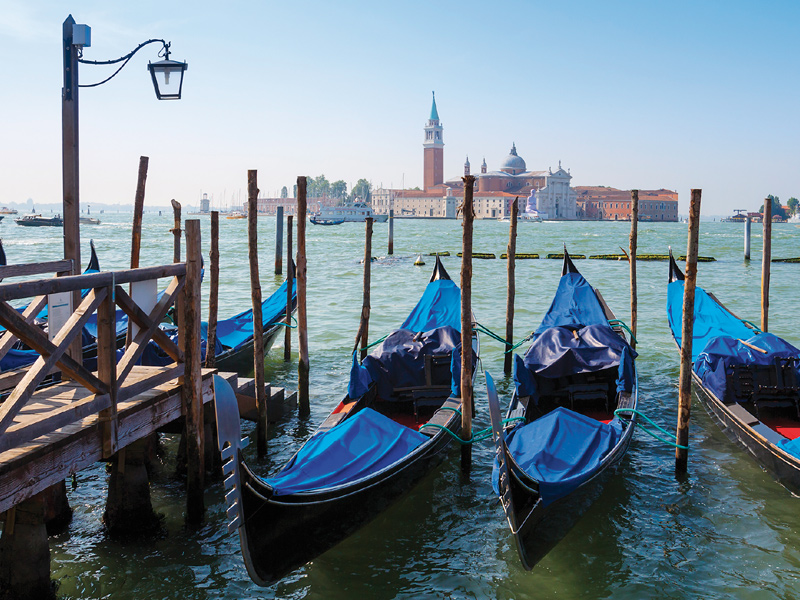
[[620, 411]]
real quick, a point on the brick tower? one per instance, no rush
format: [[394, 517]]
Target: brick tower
[[434, 150]]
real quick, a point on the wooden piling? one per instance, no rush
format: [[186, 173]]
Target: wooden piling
[[287, 336], [302, 322], [176, 231], [747, 224], [632, 260], [255, 293], [138, 210], [192, 380], [129, 509], [363, 326], [279, 242], [213, 292], [136, 230], [25, 552], [391, 232], [687, 330], [466, 324], [766, 259], [511, 253]]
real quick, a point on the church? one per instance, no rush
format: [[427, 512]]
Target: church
[[549, 191]]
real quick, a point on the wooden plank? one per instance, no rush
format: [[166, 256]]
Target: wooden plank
[[42, 287], [159, 378], [8, 339], [68, 413], [44, 364], [28, 269]]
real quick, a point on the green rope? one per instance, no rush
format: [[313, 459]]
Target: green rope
[[478, 436], [483, 329], [753, 325], [622, 324], [619, 412], [375, 343], [518, 344]]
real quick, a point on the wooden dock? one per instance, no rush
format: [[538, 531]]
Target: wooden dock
[[34, 466]]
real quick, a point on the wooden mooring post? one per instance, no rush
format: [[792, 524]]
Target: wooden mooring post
[[136, 230], [255, 293], [287, 336], [766, 259], [466, 324], [213, 292], [192, 380], [302, 321], [634, 239], [687, 331], [391, 232], [747, 227], [25, 552], [511, 282], [176, 231], [279, 241], [363, 326]]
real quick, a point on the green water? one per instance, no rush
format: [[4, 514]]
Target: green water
[[727, 530]]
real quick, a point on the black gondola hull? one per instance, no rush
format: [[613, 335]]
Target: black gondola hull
[[241, 360], [783, 467], [548, 525], [283, 533]]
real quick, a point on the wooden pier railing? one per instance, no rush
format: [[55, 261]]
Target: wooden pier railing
[[105, 293]]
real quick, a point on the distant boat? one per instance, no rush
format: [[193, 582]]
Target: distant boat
[[40, 221], [320, 221], [351, 213], [89, 221], [739, 217], [4, 210], [237, 214]]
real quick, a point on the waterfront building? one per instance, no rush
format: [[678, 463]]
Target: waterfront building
[[611, 204]]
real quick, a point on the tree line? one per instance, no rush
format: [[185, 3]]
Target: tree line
[[777, 207], [320, 187]]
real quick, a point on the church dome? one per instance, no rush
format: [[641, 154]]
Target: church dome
[[513, 163]]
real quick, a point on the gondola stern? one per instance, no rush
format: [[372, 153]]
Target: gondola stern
[[94, 263]]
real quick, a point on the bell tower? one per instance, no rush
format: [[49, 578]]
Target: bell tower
[[433, 149]]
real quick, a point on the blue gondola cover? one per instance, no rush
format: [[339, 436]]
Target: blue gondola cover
[[360, 446], [710, 319], [574, 305], [439, 306], [724, 351], [562, 351], [561, 450], [399, 361]]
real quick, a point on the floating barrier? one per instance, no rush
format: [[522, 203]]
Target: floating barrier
[[520, 256], [787, 260], [445, 253], [643, 257], [480, 255], [560, 255]]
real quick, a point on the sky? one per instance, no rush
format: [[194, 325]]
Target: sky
[[646, 95]]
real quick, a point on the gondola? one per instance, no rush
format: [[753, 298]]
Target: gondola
[[323, 221], [234, 339], [562, 437], [392, 427], [748, 381]]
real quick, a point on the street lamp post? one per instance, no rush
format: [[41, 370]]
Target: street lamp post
[[167, 76]]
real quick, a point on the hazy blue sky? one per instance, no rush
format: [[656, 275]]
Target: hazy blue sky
[[626, 94]]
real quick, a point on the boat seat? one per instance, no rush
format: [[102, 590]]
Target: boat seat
[[585, 393], [441, 416], [771, 436], [767, 386]]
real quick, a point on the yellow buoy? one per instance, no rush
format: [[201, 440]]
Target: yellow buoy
[[419, 262]]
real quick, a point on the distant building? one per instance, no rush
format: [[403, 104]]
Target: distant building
[[610, 204]]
